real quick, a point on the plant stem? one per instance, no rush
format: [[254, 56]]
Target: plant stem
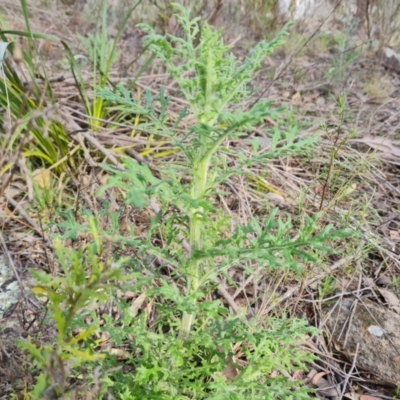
[[196, 241], [199, 188]]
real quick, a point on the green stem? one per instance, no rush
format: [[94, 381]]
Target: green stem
[[199, 188], [196, 242]]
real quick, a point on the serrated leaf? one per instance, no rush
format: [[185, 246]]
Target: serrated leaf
[[82, 336], [83, 355]]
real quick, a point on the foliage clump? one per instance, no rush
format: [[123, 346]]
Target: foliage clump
[[178, 344]]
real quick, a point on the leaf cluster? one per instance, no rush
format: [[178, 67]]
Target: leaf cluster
[[165, 368]]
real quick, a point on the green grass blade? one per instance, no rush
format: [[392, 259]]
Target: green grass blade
[[33, 35], [78, 78]]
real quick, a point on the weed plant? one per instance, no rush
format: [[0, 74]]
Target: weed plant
[[102, 53], [175, 341]]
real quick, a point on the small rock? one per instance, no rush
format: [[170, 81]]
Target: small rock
[[375, 329], [9, 287], [391, 59], [384, 280]]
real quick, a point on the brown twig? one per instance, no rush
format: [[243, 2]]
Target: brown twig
[[353, 365]]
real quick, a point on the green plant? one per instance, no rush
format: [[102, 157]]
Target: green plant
[[31, 117], [166, 368], [85, 279], [49, 193], [102, 54], [218, 82], [327, 287], [210, 80], [397, 391], [179, 341], [345, 56], [395, 284]]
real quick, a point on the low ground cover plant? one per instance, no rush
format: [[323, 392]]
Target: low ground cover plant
[[176, 340]]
